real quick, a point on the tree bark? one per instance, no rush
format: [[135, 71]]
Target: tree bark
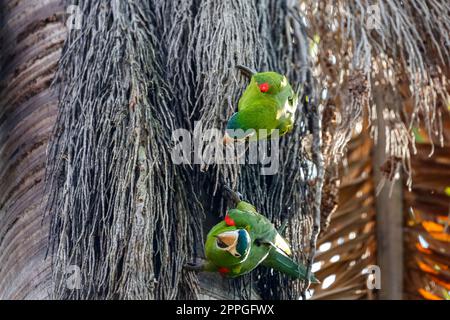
[[389, 208], [31, 33]]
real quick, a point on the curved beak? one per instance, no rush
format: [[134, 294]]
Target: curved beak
[[248, 72], [234, 252], [229, 238]]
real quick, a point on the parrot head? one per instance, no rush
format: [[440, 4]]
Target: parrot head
[[236, 242], [269, 83], [228, 247]]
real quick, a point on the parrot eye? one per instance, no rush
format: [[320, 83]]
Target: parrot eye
[[264, 87], [221, 244]]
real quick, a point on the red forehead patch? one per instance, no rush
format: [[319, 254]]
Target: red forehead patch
[[229, 221], [264, 87]]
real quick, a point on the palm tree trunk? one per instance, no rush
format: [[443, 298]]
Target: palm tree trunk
[[31, 36]]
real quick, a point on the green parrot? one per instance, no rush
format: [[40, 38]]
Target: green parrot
[[267, 103], [244, 240]]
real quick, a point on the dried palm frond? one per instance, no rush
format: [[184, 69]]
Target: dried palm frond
[[427, 215], [398, 48], [348, 246]]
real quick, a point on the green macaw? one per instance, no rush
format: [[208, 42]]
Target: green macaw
[[244, 240], [267, 103]]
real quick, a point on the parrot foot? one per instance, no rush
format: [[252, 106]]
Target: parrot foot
[[246, 71]]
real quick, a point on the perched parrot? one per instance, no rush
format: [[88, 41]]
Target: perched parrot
[[244, 240], [268, 103]]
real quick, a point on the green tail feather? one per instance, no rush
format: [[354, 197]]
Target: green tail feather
[[281, 262]]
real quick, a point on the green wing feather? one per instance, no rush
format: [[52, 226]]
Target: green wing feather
[[279, 261]]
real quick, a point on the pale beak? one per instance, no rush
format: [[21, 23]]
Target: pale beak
[[233, 251], [229, 238]]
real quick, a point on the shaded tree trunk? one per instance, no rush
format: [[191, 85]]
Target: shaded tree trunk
[[31, 36]]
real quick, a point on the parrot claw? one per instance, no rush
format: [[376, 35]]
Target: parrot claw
[[248, 72]]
